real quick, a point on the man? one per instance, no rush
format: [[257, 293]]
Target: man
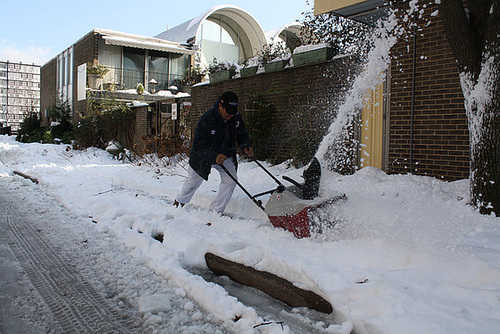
[[218, 133]]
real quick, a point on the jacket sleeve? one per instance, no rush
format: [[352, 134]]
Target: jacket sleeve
[[242, 137]]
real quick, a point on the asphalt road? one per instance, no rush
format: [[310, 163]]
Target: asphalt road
[[58, 274], [43, 292]]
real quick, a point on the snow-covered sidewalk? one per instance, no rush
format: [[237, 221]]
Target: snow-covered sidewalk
[[407, 255]]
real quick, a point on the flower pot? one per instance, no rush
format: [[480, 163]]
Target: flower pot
[[275, 66], [248, 71], [94, 81], [313, 56], [221, 76]]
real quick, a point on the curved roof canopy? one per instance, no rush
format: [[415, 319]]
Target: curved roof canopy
[[242, 27], [289, 34]]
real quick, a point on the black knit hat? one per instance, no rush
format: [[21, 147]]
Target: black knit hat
[[229, 101]]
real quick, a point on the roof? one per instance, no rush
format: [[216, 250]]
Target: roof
[[186, 32]]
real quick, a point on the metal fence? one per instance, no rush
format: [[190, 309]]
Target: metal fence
[[121, 79]]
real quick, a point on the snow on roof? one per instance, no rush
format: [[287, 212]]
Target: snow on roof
[[310, 47], [162, 93], [167, 93], [136, 103]]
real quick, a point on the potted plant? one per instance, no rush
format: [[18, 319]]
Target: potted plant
[[194, 76], [219, 72], [139, 88], [274, 57], [95, 73], [308, 54], [250, 67]]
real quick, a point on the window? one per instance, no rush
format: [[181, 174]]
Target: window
[[179, 64], [219, 42], [213, 31], [158, 69], [133, 67], [110, 56]]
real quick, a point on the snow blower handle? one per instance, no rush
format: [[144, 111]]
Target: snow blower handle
[[281, 186], [295, 183], [256, 201]]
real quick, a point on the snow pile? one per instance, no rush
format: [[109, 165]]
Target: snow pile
[[406, 255], [309, 47]]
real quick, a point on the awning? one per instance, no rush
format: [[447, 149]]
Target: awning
[[365, 11], [146, 44]]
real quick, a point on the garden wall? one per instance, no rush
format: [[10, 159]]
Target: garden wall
[[287, 112]]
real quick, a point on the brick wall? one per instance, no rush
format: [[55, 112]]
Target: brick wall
[[48, 88], [141, 128], [440, 132], [303, 99], [85, 50]]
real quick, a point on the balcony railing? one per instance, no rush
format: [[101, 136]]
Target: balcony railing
[[123, 79]]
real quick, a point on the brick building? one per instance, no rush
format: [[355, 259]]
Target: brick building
[[127, 60], [160, 64]]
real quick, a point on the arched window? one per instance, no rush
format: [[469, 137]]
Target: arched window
[[220, 40]]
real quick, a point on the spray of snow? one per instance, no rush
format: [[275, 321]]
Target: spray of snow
[[378, 62]]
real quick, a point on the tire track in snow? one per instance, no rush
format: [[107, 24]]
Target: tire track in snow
[[76, 305]]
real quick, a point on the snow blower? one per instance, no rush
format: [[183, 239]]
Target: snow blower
[[294, 208]]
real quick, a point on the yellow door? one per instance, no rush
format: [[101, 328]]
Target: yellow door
[[372, 127]]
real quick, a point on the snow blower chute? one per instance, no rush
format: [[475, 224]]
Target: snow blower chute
[[292, 208]]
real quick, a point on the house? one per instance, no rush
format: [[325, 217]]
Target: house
[[124, 62], [416, 120], [106, 63]]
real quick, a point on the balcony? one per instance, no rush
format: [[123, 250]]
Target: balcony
[[123, 83]]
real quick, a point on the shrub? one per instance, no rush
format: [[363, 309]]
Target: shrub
[[31, 129]]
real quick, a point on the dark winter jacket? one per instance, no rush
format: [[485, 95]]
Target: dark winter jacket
[[214, 136]]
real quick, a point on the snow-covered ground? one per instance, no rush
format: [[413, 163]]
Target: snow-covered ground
[[407, 254]]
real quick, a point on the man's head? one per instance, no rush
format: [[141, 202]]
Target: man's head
[[229, 101]]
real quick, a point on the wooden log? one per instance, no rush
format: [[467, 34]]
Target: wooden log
[[271, 284], [34, 180]]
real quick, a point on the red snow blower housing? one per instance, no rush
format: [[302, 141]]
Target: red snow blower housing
[[293, 208]]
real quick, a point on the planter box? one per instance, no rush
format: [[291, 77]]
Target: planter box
[[221, 76], [313, 56], [248, 71], [275, 66], [94, 81]]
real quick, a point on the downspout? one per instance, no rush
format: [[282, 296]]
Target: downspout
[[412, 111]]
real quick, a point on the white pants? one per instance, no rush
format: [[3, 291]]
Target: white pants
[[226, 187]]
